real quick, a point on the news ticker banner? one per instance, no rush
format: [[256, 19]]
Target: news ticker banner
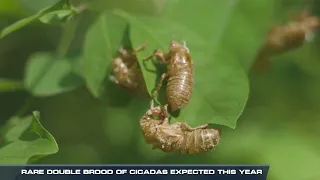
[[134, 172]]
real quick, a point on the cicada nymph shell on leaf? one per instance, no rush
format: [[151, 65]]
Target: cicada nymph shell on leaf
[[286, 37], [126, 71], [176, 137], [179, 72]]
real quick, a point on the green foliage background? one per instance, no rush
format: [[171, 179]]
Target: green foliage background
[[56, 61]]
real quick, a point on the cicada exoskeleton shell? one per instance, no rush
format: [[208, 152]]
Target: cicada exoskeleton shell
[[127, 73], [285, 37], [176, 137], [180, 74]]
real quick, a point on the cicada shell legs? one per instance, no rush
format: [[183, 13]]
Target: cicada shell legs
[[157, 90]]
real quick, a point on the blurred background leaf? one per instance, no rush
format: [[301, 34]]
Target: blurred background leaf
[[48, 75], [11, 7], [19, 24], [44, 14], [143, 7], [35, 6]]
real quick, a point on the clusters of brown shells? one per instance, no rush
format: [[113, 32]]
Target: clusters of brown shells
[[155, 123], [179, 136]]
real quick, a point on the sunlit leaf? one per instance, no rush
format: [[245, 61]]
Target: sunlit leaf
[[102, 42], [25, 138], [212, 34]]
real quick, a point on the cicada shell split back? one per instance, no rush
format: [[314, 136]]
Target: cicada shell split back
[[177, 137], [180, 74], [126, 71]]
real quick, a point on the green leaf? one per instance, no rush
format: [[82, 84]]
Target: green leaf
[[101, 44], [57, 17], [7, 85], [23, 22], [25, 138], [213, 36], [47, 75]]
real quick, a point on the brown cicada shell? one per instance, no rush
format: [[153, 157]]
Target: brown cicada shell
[[126, 71], [180, 74], [177, 137], [286, 37]]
